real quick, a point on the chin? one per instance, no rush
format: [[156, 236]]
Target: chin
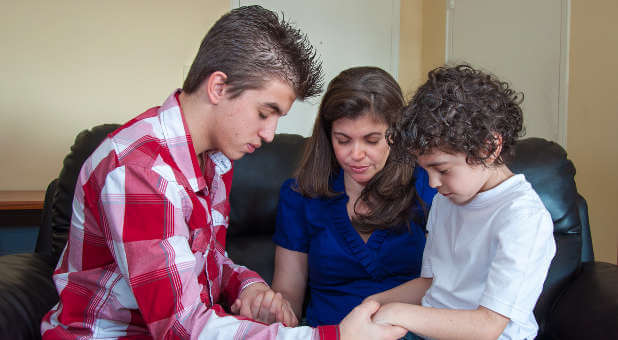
[[232, 155], [235, 157], [362, 179]]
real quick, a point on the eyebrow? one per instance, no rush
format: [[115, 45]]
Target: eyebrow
[[367, 135], [434, 164], [274, 107]]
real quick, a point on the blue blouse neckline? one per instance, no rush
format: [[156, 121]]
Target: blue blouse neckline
[[364, 252]]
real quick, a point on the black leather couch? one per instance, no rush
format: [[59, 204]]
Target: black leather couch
[[579, 300]]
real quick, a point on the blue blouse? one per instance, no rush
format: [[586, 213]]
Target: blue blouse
[[342, 268]]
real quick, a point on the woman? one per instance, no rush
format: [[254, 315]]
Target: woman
[[350, 223]]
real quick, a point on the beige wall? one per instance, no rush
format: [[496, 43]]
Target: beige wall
[[68, 65], [592, 140], [421, 46]]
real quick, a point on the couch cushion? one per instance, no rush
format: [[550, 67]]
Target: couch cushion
[[588, 308], [26, 294]]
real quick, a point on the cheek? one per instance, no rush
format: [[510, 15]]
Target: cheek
[[379, 154], [340, 152]]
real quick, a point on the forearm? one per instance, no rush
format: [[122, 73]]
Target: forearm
[[410, 292], [438, 323], [217, 325], [292, 296], [290, 277], [235, 278]]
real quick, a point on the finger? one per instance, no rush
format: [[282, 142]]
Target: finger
[[395, 332], [276, 303], [280, 316], [266, 313], [370, 307], [245, 309], [256, 306], [289, 316], [235, 308]]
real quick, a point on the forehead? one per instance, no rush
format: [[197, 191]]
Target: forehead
[[274, 94], [363, 124], [437, 157]]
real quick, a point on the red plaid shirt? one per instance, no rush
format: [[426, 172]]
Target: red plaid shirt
[[146, 251]]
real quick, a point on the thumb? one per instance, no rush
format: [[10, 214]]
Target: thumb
[[396, 332], [235, 308], [370, 306]]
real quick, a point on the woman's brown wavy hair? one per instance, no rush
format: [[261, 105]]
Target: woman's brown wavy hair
[[390, 194]]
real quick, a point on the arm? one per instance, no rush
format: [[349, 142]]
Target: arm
[[437, 323], [410, 292], [358, 324], [290, 277], [163, 281]]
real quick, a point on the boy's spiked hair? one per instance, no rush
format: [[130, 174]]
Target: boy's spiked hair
[[460, 110], [251, 45]]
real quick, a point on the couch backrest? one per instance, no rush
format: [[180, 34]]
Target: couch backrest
[[258, 177], [253, 200], [62, 201], [551, 173], [257, 180]]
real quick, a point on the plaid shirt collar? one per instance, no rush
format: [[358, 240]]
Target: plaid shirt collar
[[170, 113]]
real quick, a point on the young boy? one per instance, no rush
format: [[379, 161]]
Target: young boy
[[146, 251], [490, 238]]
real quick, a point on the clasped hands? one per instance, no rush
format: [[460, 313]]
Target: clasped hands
[[258, 302], [261, 303]]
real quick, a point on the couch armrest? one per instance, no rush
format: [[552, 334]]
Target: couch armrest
[[27, 292], [588, 308]]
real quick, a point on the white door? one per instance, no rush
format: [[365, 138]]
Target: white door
[[346, 33], [524, 42]]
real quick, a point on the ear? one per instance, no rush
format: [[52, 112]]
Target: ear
[[497, 139], [215, 86]]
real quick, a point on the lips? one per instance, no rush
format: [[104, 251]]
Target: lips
[[358, 169], [251, 147]]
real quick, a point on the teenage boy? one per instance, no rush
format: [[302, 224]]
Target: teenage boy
[[146, 251], [490, 238]]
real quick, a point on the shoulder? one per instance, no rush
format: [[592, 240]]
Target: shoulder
[[289, 194], [289, 187], [521, 199], [521, 208]]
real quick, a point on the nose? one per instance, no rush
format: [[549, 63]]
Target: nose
[[434, 181], [358, 153], [267, 133]]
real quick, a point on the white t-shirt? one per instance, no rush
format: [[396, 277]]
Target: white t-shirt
[[493, 251]]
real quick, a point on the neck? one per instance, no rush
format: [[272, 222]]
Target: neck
[[352, 188], [196, 113], [498, 175]]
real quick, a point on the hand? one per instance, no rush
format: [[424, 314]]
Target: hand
[[374, 297], [358, 324], [386, 314], [261, 303]]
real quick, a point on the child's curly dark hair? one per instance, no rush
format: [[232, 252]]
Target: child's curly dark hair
[[460, 109]]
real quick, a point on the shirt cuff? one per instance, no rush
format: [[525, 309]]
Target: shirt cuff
[[246, 279], [330, 332]]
